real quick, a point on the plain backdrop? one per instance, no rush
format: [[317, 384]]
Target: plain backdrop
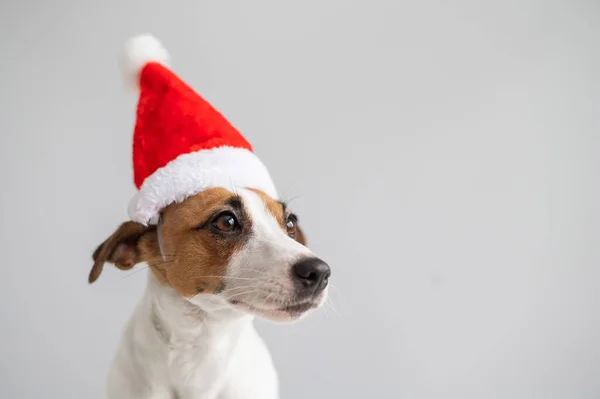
[[442, 156]]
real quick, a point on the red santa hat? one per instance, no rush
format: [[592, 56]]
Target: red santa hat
[[181, 144]]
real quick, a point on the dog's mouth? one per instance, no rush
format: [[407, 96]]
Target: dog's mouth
[[298, 308], [292, 311]]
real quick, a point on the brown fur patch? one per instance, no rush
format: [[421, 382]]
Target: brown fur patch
[[197, 258]]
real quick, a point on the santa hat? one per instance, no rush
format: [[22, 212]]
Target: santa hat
[[181, 144]]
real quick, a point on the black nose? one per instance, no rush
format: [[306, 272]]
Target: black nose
[[311, 273]]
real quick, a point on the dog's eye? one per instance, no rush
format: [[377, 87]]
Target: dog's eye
[[226, 222], [290, 225]]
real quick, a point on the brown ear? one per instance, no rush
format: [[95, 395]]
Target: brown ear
[[120, 249], [300, 237]]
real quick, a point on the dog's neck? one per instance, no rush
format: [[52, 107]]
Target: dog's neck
[[183, 348], [176, 319]]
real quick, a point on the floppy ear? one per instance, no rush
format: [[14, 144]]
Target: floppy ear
[[300, 237], [121, 249]]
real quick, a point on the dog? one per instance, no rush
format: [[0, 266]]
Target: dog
[[217, 259]]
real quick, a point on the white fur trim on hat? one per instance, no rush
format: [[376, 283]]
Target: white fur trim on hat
[[139, 51], [189, 174]]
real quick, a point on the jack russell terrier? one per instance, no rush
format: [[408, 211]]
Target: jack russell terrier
[[221, 249]]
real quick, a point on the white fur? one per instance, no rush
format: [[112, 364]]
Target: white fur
[[206, 347], [194, 353], [139, 51], [189, 174]]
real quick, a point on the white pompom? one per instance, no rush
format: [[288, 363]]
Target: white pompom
[[139, 51]]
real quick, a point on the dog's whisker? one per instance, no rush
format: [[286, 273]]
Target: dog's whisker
[[238, 294], [333, 287], [269, 297], [167, 258], [235, 278], [329, 302], [134, 272], [162, 263], [234, 288], [241, 288], [326, 313], [289, 200], [256, 295]]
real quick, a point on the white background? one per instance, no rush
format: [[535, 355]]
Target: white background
[[445, 155]]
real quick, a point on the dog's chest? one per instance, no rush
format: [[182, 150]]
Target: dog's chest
[[199, 368]]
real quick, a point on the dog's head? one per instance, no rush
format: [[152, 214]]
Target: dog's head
[[242, 249]]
